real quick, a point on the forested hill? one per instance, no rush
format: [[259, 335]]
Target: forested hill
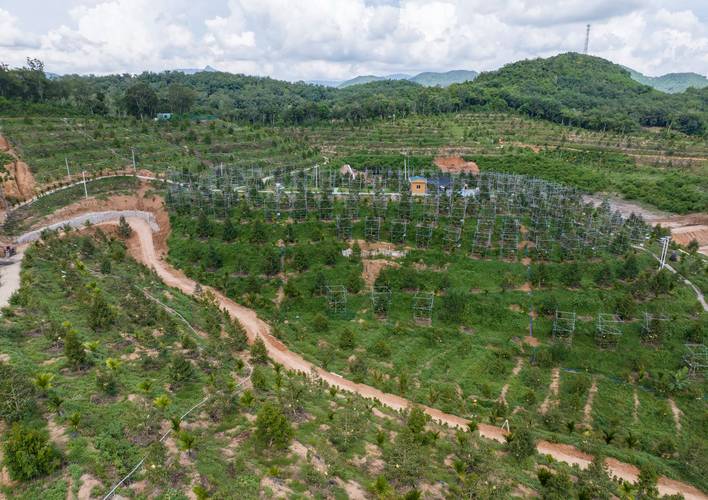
[[671, 82], [593, 93], [570, 88]]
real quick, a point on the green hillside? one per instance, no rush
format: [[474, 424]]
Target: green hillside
[[591, 92], [671, 83], [573, 89], [362, 79], [431, 79]]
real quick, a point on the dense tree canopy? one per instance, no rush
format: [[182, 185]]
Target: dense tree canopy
[[570, 88]]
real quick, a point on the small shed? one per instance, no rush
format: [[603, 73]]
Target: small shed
[[418, 185]]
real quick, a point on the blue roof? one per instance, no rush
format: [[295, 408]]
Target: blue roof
[[416, 178]]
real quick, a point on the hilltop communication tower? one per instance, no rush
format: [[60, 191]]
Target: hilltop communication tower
[[587, 39]]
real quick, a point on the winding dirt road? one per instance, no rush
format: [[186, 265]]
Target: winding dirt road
[[142, 247]]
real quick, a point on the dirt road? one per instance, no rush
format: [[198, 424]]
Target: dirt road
[[142, 247], [10, 276]]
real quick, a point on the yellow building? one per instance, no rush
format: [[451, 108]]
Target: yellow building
[[419, 186]]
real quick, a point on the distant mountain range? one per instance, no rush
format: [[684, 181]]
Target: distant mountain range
[[670, 83], [193, 71], [427, 79]]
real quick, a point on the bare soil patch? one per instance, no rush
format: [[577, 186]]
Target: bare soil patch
[[373, 267], [552, 397], [677, 414], [587, 410], [18, 179], [88, 483], [456, 165]]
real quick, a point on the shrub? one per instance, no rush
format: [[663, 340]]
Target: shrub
[[346, 339], [453, 305], [28, 453], [320, 323]]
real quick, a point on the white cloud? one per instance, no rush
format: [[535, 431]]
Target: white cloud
[[10, 33], [333, 39]]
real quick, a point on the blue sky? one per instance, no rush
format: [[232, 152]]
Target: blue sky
[[336, 39]]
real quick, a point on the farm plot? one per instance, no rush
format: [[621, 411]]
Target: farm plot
[[109, 378], [460, 356]]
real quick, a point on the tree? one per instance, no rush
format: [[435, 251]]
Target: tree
[[320, 283], [346, 339], [571, 275], [237, 334], [662, 282], [101, 314], [320, 322], [348, 425], [272, 427], [604, 276], [180, 98], [140, 100], [259, 353], [646, 486], [630, 267], [595, 482], [416, 421], [181, 370], [520, 444], [540, 275], [74, 349], [204, 227], [124, 229], [213, 258], [28, 453], [187, 441], [300, 260], [354, 282], [453, 305], [229, 232], [404, 457], [692, 246]]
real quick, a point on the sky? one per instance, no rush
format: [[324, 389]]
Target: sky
[[337, 39]]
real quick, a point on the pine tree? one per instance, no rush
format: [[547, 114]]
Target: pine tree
[[272, 427], [101, 315], [204, 228], [229, 233], [124, 229], [259, 353], [29, 454]]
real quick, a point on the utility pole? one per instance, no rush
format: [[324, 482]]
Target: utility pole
[[587, 38], [664, 250], [132, 150], [83, 174], [68, 172]]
